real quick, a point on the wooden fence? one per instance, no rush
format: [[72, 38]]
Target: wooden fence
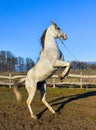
[[72, 79], [9, 80]]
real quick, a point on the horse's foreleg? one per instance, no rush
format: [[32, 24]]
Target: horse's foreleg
[[65, 65], [43, 93], [65, 72]]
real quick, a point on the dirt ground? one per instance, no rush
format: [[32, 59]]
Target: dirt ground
[[75, 110]]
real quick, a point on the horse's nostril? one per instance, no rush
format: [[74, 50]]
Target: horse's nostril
[[65, 37]]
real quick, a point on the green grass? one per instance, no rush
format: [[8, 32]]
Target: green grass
[[7, 94]]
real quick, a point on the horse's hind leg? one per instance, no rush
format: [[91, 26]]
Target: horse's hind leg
[[31, 89], [42, 88]]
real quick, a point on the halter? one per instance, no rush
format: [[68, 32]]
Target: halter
[[55, 33]]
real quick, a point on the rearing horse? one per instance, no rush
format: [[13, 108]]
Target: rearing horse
[[50, 60]]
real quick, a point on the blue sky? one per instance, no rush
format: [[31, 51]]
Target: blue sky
[[22, 23]]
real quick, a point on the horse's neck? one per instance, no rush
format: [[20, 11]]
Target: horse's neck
[[50, 42]]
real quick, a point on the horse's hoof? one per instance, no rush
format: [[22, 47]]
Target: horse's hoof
[[53, 112], [34, 117]]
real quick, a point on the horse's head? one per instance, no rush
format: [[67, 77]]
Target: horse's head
[[57, 32], [53, 30]]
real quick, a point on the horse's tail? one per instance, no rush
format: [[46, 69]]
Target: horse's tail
[[16, 89]]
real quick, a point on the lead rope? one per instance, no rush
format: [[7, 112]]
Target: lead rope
[[73, 54], [70, 51]]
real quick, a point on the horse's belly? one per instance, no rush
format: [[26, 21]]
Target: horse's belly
[[43, 76]]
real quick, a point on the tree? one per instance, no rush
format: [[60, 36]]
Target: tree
[[79, 65], [9, 63], [20, 64], [6, 61], [29, 63], [93, 66]]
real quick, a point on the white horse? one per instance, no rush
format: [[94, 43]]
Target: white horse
[[50, 60]]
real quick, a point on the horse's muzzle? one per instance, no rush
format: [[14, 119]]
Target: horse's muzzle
[[65, 37]]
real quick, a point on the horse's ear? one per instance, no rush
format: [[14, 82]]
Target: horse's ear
[[53, 23]]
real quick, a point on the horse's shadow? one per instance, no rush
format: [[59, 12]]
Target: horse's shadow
[[69, 99]]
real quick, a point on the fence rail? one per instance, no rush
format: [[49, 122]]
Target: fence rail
[[82, 80], [9, 80]]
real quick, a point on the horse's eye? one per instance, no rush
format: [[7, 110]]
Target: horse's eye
[[58, 28]]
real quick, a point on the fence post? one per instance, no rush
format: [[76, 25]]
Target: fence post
[[81, 80], [10, 80], [53, 82]]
